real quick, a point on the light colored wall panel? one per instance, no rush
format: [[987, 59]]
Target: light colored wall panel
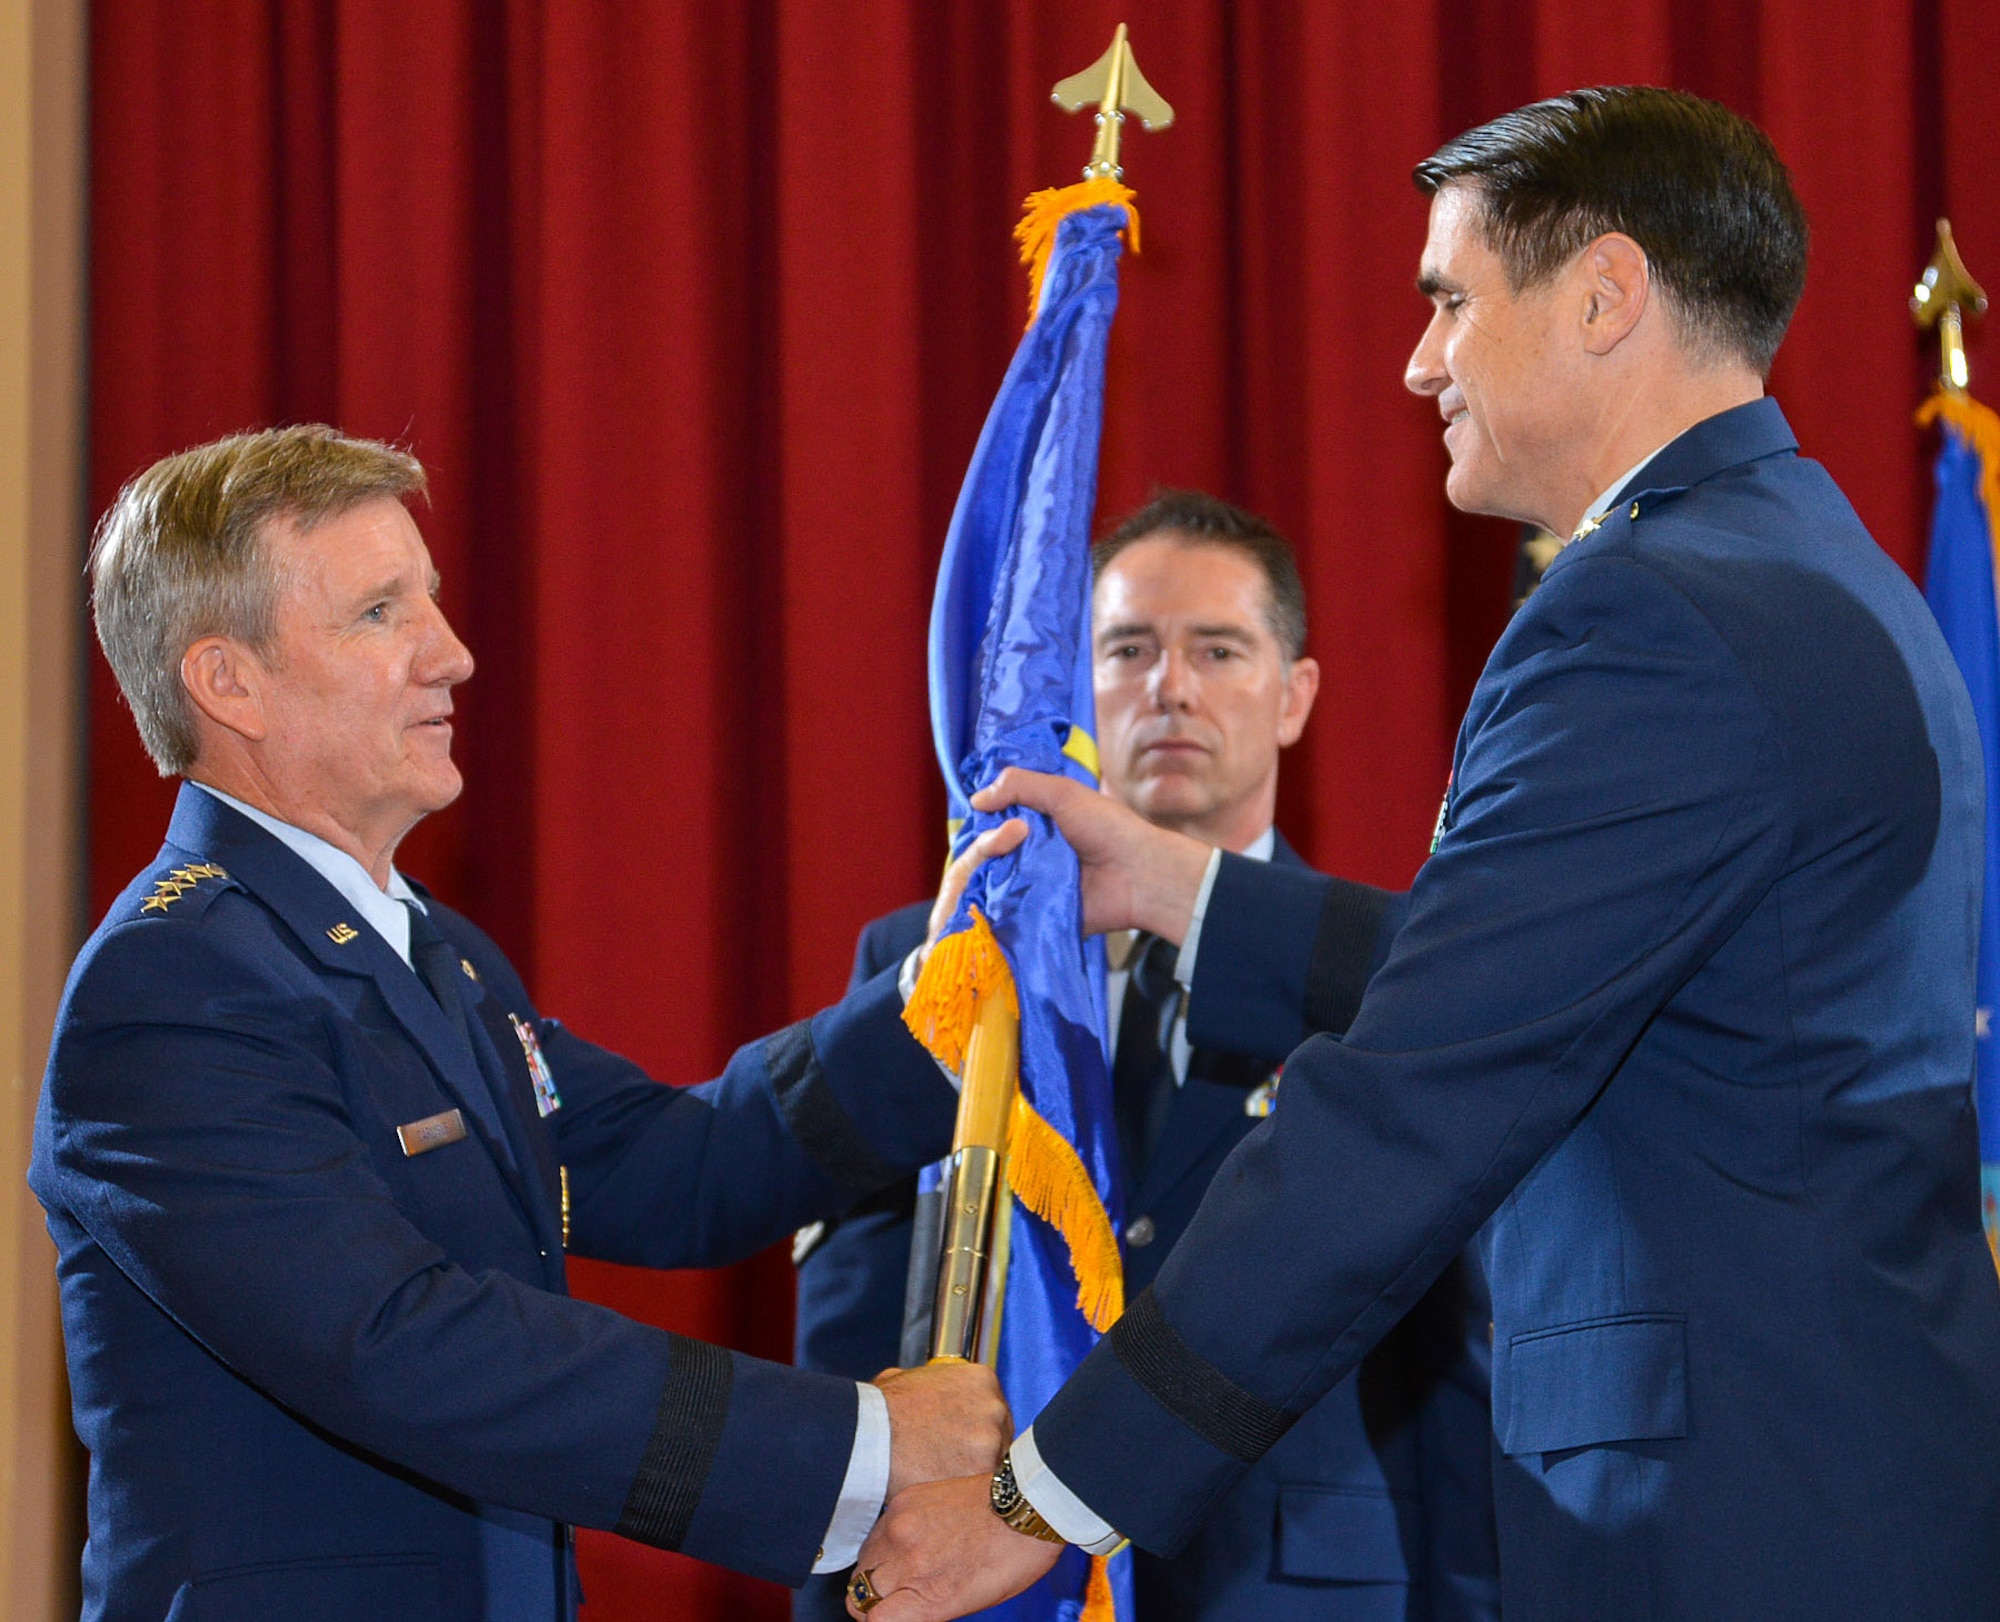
[[42, 402]]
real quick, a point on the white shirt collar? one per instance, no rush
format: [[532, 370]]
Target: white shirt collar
[[1263, 847], [382, 910], [1616, 488]]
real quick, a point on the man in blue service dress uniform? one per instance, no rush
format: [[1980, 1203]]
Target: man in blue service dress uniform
[[1679, 1012], [1378, 1504], [311, 1157]]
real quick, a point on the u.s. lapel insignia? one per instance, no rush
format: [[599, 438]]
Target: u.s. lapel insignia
[[471, 973], [168, 890], [1263, 1098], [547, 1099], [342, 933], [1444, 811]]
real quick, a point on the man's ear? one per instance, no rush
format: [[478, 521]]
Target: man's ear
[[228, 684], [1617, 287], [1301, 688]]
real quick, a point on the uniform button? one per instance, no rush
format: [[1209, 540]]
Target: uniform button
[[1139, 1232]]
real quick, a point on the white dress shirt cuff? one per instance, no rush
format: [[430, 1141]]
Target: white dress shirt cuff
[[865, 1488], [1184, 964], [1055, 1503], [906, 985]]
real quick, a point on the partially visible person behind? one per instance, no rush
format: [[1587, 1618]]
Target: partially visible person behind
[[311, 1157], [1378, 1504]]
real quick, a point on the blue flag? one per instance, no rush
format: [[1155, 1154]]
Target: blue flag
[[1010, 678], [1959, 585]]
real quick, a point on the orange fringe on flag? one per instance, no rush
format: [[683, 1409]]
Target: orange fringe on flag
[[1098, 1605], [1979, 426], [1043, 1168], [1046, 210], [1049, 1179], [962, 971]]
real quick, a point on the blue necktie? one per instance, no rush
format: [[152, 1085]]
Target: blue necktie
[[1142, 1072], [437, 966]]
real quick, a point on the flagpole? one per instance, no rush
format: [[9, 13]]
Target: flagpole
[[1115, 83], [1962, 586], [974, 1231], [974, 1183], [1944, 296]]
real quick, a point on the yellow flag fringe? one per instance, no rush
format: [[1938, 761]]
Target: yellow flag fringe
[[1979, 426], [1043, 1167], [962, 971], [1098, 1606], [1045, 210], [1049, 1179]]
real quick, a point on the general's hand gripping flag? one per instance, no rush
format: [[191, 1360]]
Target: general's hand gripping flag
[[1010, 679]]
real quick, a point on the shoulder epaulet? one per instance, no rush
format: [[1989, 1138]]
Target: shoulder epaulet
[[201, 879]]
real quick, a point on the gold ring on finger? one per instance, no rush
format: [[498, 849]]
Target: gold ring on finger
[[861, 1589]]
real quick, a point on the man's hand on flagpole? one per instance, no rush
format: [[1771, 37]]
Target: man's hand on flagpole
[[994, 842], [939, 1551], [945, 1419], [1135, 875]]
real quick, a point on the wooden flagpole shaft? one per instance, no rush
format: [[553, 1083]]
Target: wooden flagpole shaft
[[975, 1182]]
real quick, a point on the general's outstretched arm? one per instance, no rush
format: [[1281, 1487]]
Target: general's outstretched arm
[[231, 1175], [799, 1125]]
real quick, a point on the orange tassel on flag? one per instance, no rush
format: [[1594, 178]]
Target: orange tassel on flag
[[1046, 210], [963, 970]]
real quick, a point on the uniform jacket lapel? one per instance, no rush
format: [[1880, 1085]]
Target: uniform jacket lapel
[[501, 1056], [320, 917]]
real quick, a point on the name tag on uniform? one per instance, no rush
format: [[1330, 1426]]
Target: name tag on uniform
[[432, 1132]]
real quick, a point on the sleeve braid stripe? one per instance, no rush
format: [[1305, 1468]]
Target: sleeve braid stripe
[[1343, 947], [1197, 1393], [693, 1405], [816, 1117]]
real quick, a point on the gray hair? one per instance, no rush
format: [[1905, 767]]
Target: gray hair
[[180, 556]]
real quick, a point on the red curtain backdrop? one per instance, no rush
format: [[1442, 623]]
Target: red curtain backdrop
[[694, 311]]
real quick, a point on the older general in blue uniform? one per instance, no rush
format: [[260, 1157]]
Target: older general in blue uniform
[[312, 1157], [1678, 1017]]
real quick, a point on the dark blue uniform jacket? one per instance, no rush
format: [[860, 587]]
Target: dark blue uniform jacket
[[1376, 1507], [1681, 1012], [321, 1378]]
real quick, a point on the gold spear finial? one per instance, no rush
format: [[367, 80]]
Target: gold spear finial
[[1116, 85], [1945, 295]]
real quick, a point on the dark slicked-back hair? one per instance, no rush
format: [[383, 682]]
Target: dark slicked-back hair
[[1697, 187], [1205, 520]]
